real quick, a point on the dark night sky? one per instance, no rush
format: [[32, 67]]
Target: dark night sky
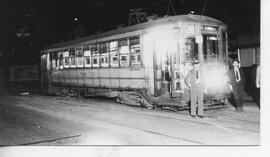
[[52, 21]]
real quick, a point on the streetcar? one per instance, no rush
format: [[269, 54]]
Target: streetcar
[[131, 63]]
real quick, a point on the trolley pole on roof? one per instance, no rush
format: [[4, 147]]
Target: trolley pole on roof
[[205, 3], [170, 5]]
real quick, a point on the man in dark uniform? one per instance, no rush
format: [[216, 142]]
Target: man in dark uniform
[[237, 82], [194, 82], [258, 84]]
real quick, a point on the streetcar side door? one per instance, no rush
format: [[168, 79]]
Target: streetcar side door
[[158, 76], [166, 47]]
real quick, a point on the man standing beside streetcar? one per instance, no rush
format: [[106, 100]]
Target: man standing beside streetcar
[[194, 82]]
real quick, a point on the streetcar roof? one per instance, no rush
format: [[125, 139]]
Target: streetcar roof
[[145, 25]]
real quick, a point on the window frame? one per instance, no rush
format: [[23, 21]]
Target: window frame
[[79, 57], [137, 51], [87, 55], [95, 55], [60, 59], [71, 57], [113, 53], [188, 48], [124, 53], [205, 43], [66, 58], [53, 60], [116, 53], [104, 54]]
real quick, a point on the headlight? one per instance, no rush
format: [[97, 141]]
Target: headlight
[[215, 79]]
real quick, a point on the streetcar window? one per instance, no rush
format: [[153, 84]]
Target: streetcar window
[[57, 60], [94, 49], [54, 59], [72, 52], [72, 58], [87, 53], [48, 61], [95, 55], [113, 54], [79, 52], [124, 52], [86, 48], [104, 61], [53, 64], [87, 56], [66, 59], [104, 54], [95, 61], [79, 56], [123, 46], [210, 46], [112, 46], [79, 61], [66, 62], [114, 60], [135, 51], [139, 58], [191, 49], [103, 48], [60, 59], [72, 62], [210, 28], [132, 58], [135, 59], [134, 45], [124, 60], [87, 61]]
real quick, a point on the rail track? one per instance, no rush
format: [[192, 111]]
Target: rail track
[[97, 105]]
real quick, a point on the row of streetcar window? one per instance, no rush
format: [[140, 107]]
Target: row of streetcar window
[[118, 53]]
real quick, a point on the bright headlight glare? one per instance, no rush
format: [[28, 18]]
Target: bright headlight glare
[[215, 80]]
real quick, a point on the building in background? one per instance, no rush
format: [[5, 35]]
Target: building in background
[[246, 49], [23, 78], [1, 78]]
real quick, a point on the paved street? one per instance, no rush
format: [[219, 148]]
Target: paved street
[[45, 120]]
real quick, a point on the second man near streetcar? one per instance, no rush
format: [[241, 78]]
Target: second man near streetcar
[[237, 81]]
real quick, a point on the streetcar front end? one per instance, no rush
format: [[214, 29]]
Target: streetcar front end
[[216, 80]]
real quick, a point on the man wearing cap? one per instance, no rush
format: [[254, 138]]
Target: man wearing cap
[[237, 81], [193, 81]]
